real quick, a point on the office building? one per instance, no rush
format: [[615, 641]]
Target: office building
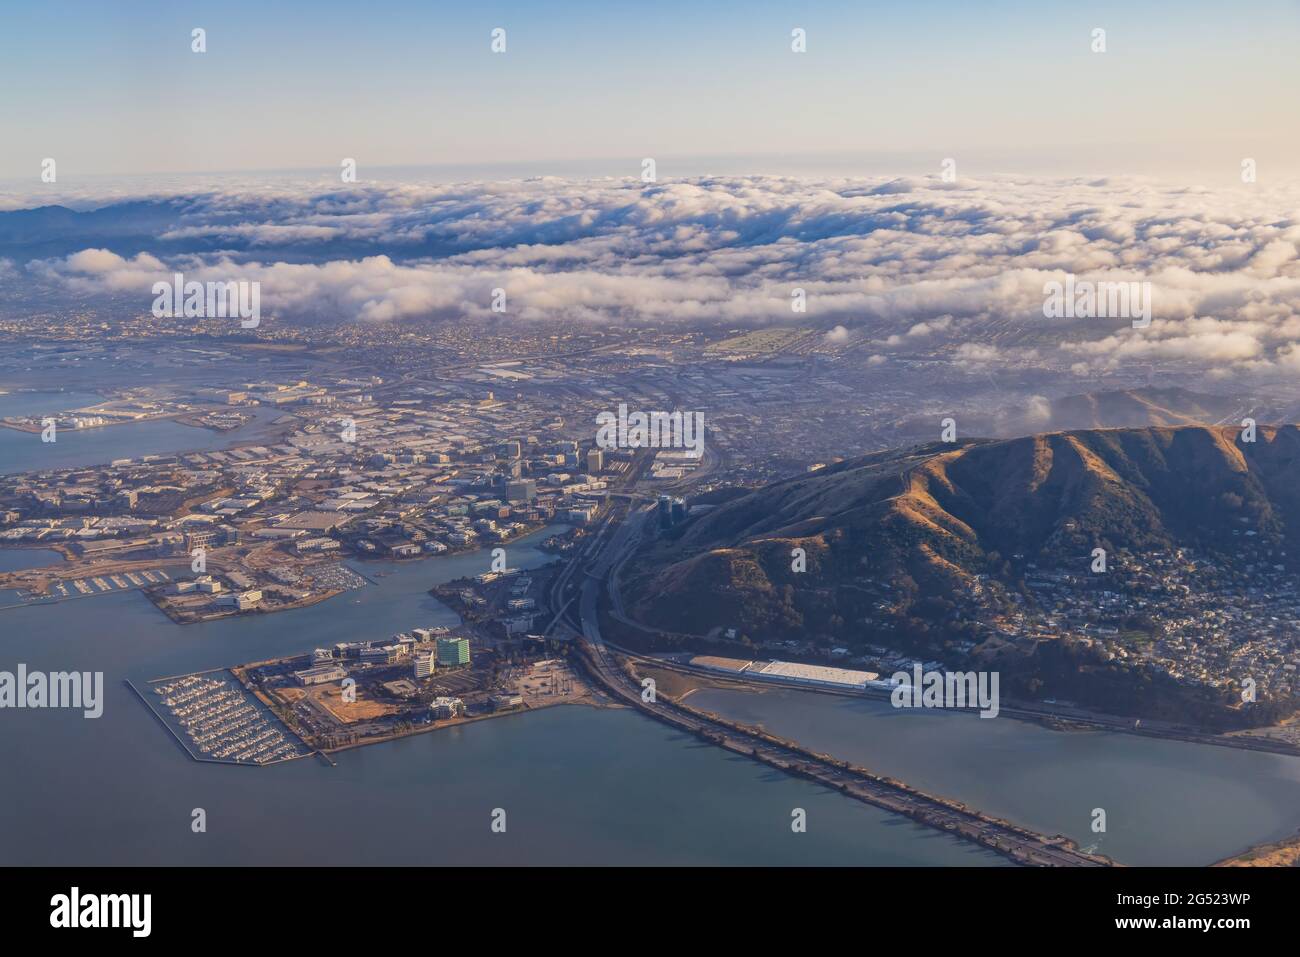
[[521, 491], [424, 665], [453, 651]]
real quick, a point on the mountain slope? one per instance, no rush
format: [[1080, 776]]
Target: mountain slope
[[922, 525]]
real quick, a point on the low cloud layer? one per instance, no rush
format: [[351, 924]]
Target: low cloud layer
[[884, 264]]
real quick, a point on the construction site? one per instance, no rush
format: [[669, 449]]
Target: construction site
[[359, 693]]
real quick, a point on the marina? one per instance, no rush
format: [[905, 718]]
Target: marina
[[61, 590], [535, 763], [215, 719]]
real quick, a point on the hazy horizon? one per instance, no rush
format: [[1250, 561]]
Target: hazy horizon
[[119, 92]]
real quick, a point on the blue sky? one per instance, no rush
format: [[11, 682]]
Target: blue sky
[[112, 88]]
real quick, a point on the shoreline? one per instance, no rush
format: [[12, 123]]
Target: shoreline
[[1075, 721], [1019, 844], [200, 619], [1283, 853], [458, 722], [35, 429], [1280, 853], [591, 696]]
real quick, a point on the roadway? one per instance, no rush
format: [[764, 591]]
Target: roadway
[[609, 548]]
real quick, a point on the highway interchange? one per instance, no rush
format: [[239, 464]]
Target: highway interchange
[[576, 594]]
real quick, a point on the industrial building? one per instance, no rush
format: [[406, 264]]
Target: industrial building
[[823, 675], [320, 675]]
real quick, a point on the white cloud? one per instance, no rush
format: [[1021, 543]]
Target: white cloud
[[907, 264]]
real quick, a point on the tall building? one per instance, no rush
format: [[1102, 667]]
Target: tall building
[[424, 665], [453, 651], [671, 511], [595, 461], [524, 490]]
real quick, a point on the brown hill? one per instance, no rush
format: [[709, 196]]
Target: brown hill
[[913, 529]]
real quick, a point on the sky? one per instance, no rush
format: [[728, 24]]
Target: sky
[[114, 90], [776, 171]]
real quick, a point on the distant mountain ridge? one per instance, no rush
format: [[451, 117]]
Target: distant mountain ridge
[[1137, 408]]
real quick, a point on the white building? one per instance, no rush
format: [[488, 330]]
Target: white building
[[425, 664]]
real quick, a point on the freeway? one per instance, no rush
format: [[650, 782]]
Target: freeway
[[623, 546], [1024, 711], [625, 496], [609, 548]]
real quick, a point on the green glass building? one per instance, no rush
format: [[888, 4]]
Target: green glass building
[[453, 651]]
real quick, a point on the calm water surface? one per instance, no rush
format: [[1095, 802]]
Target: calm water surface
[[74, 448], [579, 785], [1166, 802]]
